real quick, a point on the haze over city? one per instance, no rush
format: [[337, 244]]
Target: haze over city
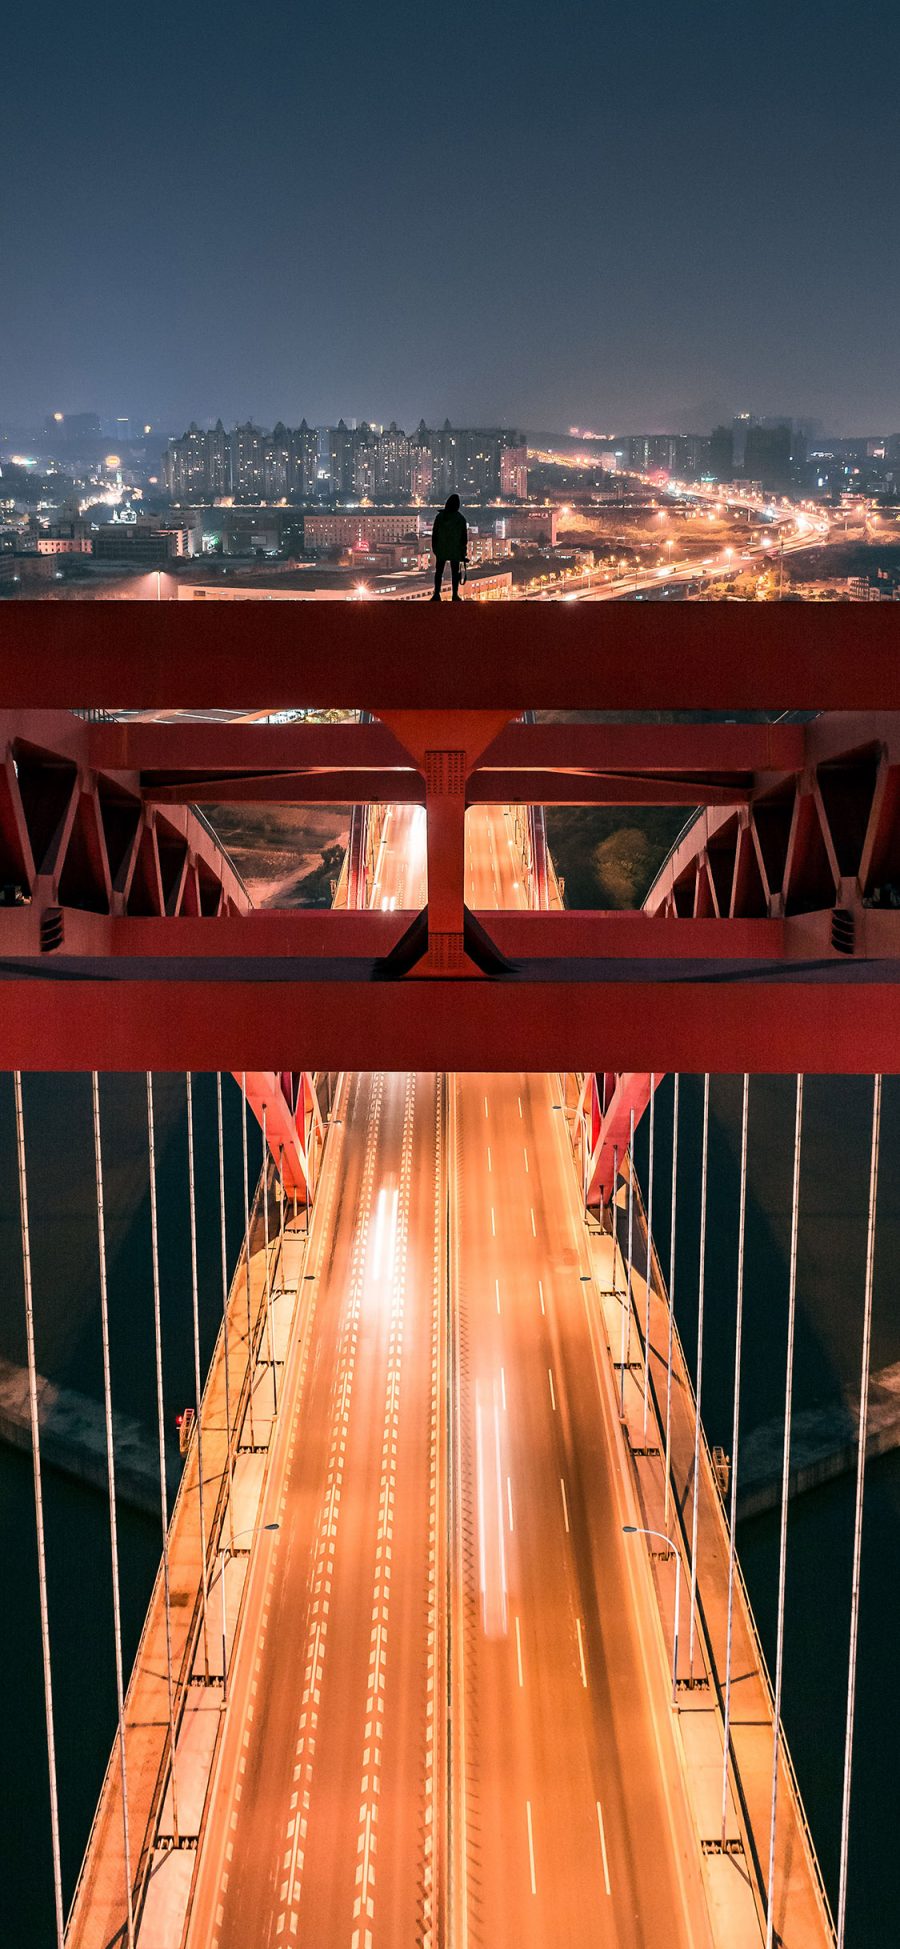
[[591, 215]]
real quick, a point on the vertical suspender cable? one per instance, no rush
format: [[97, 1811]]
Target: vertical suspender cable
[[785, 1489], [735, 1439], [160, 1429], [229, 1455], [858, 1512], [671, 1304], [195, 1311], [111, 1480], [614, 1202], [265, 1206], [39, 1507], [281, 1218], [698, 1402], [250, 1346], [626, 1309], [649, 1265]]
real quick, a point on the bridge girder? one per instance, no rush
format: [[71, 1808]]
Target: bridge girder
[[782, 886]]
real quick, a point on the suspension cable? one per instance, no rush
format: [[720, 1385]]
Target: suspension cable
[[671, 1304], [649, 1265], [229, 1458], [250, 1347], [265, 1205], [111, 1481], [735, 1438], [39, 1508], [614, 1202], [858, 1511], [160, 1427], [785, 1490], [698, 1399], [195, 1314], [626, 1310]]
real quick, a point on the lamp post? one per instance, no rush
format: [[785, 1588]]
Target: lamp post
[[224, 1553], [634, 1529]]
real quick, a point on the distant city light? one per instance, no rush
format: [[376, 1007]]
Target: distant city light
[[58, 417], [22, 460], [113, 460]]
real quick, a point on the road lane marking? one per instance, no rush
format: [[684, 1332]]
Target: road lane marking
[[493, 1223], [503, 1389], [519, 1654], [581, 1652], [541, 1295], [490, 1165], [531, 1847], [603, 1848], [509, 1504], [552, 1388], [521, 1111], [394, 1276], [533, 1225], [497, 1291], [525, 1155], [327, 1527], [485, 1106], [564, 1503]]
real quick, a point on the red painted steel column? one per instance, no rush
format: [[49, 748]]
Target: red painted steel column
[[445, 746], [445, 812]]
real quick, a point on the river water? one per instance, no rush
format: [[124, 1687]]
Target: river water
[[833, 1192]]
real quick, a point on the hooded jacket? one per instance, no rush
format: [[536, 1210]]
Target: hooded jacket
[[450, 536]]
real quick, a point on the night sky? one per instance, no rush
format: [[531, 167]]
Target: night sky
[[545, 213]]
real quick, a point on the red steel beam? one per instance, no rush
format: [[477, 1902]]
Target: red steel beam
[[359, 787], [407, 788], [188, 749], [493, 656], [705, 748], [191, 748], [759, 1025], [529, 941], [532, 787], [631, 1094]]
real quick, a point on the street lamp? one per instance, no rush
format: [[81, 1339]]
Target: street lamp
[[633, 1529], [224, 1553]]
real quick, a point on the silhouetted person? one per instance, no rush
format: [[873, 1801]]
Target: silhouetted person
[[449, 542]]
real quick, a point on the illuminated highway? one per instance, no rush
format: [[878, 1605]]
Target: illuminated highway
[[565, 1820]]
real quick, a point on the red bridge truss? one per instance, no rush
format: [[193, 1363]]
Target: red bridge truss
[[769, 942]]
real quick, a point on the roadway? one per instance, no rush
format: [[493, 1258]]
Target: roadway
[[325, 1795], [576, 1828], [567, 1822]]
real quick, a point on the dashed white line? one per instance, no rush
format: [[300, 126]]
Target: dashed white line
[[509, 1503], [493, 1223], [490, 1165], [581, 1652], [519, 1655], [497, 1292], [552, 1388], [503, 1389], [521, 1111], [533, 1225], [541, 1295], [525, 1155], [485, 1106], [603, 1848], [564, 1504], [531, 1847]]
